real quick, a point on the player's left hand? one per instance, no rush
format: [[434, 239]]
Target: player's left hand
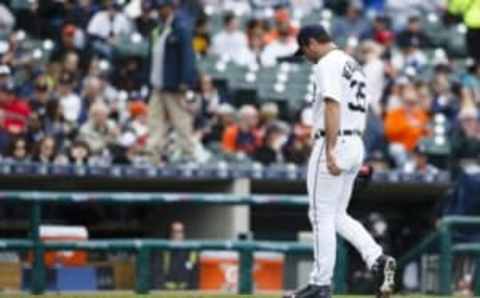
[[332, 164]]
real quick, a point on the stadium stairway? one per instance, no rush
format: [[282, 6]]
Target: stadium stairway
[[442, 242]]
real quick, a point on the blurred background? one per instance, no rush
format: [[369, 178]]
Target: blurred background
[[197, 113]]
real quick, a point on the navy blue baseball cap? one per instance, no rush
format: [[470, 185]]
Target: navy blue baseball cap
[[317, 32]]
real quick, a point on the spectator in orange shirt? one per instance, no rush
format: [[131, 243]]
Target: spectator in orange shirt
[[243, 137], [406, 125], [282, 20]]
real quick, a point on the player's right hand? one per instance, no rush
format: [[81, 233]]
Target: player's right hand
[[332, 165]]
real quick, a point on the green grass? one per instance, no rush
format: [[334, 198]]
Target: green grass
[[178, 295]]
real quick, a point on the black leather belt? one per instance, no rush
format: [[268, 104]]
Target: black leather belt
[[347, 132]]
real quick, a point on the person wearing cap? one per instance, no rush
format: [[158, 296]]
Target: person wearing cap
[[172, 75], [41, 95], [137, 123], [145, 22], [70, 42], [339, 116], [109, 22], [107, 25], [413, 34], [222, 117], [66, 43], [419, 164], [410, 56]]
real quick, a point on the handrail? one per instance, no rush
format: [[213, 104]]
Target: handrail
[[446, 249], [446, 222], [15, 244], [456, 220], [143, 247], [133, 244], [413, 253], [154, 198], [470, 248]]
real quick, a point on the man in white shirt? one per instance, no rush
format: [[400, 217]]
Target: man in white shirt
[[230, 43], [110, 22], [339, 113], [284, 46]]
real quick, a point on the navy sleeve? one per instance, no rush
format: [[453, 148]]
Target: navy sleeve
[[188, 61]]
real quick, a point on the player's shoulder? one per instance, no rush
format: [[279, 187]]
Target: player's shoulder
[[334, 59]]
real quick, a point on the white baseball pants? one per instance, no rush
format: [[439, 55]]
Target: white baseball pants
[[329, 197]]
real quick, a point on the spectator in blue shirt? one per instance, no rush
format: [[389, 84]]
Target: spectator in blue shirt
[[353, 24]]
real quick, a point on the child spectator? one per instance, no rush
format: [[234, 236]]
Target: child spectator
[[45, 151], [79, 153], [17, 150]]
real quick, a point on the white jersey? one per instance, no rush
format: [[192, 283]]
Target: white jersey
[[339, 77]]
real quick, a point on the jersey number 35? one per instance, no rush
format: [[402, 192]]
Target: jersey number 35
[[359, 100]]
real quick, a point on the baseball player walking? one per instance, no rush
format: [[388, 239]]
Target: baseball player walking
[[340, 112]]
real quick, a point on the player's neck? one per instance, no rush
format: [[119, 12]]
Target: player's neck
[[329, 48]]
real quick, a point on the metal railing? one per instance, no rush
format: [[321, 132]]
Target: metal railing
[[441, 241], [143, 247]]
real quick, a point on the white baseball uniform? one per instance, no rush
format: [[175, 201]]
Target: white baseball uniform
[[339, 77]]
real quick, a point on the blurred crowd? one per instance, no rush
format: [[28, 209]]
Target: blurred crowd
[[87, 105]]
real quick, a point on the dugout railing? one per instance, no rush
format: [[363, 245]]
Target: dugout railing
[[444, 243], [143, 247]]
